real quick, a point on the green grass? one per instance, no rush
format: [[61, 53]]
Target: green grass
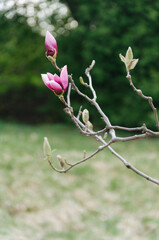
[[99, 200]]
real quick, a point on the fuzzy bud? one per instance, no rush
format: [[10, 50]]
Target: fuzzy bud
[[122, 58], [81, 80], [130, 63], [105, 135], [89, 125], [129, 56], [61, 161], [85, 116], [46, 148]]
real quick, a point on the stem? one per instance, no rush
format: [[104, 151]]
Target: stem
[[148, 98]]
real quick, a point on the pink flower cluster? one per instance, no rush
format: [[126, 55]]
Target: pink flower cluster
[[57, 84]]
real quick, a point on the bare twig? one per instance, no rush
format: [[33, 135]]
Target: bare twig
[[131, 167], [87, 72], [79, 112], [148, 98], [68, 95], [100, 148]]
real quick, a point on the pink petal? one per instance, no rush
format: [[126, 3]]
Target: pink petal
[[54, 77], [64, 77], [54, 86], [45, 78], [57, 79], [51, 84], [50, 76], [50, 44]]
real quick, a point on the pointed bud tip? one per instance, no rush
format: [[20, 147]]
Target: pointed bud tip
[[61, 161], [46, 148], [81, 80], [122, 58]]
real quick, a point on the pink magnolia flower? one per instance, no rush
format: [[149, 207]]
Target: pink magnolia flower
[[56, 84], [51, 45]]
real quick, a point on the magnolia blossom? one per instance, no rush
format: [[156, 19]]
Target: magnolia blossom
[[51, 45], [56, 84]]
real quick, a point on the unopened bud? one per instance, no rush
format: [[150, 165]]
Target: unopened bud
[[61, 161], [84, 154], [89, 125], [129, 56], [122, 58], [52, 59], [81, 80], [46, 148], [105, 135], [132, 64], [85, 116]]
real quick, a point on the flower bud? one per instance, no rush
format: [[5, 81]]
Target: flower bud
[[105, 135], [81, 80], [61, 161], [129, 56], [51, 46], [130, 63], [122, 58], [89, 125], [57, 84], [85, 116], [46, 148]]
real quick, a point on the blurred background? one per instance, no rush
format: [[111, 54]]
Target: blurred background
[[85, 30], [101, 199]]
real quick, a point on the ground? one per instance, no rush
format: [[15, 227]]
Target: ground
[[99, 200]]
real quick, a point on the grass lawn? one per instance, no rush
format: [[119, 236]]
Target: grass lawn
[[98, 200]]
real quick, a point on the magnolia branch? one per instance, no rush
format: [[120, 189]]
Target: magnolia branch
[[84, 125], [109, 127]]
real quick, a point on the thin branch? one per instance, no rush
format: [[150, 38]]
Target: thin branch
[[79, 112], [131, 138], [134, 129], [77, 89], [100, 148], [149, 99], [87, 72], [68, 95], [55, 65], [96, 133], [105, 118], [131, 167], [142, 128]]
